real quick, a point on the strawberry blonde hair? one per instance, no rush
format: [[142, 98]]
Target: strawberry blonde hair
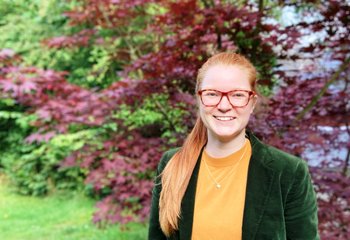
[[177, 173]]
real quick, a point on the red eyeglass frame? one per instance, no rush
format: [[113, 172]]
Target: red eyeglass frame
[[251, 93]]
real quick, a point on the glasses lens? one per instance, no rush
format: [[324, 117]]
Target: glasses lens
[[210, 97], [239, 98]]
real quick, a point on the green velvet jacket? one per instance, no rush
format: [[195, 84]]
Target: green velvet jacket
[[280, 200]]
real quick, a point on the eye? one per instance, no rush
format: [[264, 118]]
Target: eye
[[211, 94], [239, 94]]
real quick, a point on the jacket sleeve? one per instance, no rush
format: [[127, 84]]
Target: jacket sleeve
[[301, 207], [154, 231]]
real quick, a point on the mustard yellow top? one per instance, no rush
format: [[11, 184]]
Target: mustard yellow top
[[218, 211]]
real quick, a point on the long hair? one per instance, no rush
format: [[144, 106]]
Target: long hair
[[177, 173]]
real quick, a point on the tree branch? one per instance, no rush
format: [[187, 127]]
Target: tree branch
[[315, 99], [165, 114], [208, 4], [261, 14], [347, 159], [219, 40]]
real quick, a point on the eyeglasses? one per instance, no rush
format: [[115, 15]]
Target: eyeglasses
[[237, 98]]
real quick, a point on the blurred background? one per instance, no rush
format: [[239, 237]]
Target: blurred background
[[92, 92]]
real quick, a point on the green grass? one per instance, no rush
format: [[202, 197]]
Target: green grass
[[56, 217]]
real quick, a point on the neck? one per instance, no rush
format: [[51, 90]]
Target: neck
[[219, 148]]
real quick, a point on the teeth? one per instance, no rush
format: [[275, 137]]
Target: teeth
[[224, 118]]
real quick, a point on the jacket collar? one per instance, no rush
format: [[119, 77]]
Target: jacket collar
[[259, 182]]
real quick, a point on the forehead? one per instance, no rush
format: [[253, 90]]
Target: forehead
[[225, 78]]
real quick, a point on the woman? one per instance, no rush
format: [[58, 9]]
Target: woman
[[224, 183]]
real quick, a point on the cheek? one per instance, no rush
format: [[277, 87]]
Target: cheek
[[205, 115], [205, 110], [245, 112], [248, 110], [201, 112]]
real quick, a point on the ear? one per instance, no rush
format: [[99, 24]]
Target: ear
[[254, 100]]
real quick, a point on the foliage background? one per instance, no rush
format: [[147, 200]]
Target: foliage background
[[92, 92]]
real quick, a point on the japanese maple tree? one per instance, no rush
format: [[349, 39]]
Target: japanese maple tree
[[161, 45]]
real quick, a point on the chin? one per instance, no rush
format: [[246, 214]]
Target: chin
[[227, 135]]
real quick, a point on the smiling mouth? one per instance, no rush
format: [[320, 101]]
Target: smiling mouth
[[224, 118]]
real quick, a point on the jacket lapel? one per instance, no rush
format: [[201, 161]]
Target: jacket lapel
[[259, 183]]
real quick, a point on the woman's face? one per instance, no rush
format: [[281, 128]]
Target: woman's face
[[225, 122]]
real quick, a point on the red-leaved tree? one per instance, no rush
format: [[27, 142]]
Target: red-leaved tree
[[305, 111]]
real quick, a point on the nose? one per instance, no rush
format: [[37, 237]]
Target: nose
[[224, 105]]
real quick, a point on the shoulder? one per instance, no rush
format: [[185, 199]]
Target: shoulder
[[291, 172], [278, 160], [166, 157], [281, 160]]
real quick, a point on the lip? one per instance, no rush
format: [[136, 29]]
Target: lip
[[224, 118]]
